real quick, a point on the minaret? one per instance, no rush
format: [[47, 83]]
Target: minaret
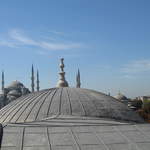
[[62, 81], [3, 82], [38, 86], [32, 79], [78, 79]]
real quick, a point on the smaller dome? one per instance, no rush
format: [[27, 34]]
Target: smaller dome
[[15, 84], [14, 93], [120, 96], [11, 98]]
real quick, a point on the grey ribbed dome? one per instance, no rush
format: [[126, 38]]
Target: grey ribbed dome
[[65, 101], [121, 97], [14, 93], [15, 84]]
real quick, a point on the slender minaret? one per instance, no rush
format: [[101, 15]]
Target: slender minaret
[[78, 79], [32, 79], [3, 82], [38, 85], [62, 81]]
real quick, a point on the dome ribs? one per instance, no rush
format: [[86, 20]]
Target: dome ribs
[[46, 97], [18, 112], [55, 103], [9, 106], [88, 103], [21, 117], [14, 107], [32, 115], [69, 101], [77, 106], [46, 106], [65, 103], [60, 103], [81, 102], [49, 106]]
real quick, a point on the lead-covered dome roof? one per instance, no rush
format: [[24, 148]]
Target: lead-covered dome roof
[[15, 84], [120, 96], [65, 102]]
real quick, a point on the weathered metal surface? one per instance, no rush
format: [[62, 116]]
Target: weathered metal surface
[[65, 101]]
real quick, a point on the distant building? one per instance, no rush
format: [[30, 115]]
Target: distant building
[[122, 98], [142, 98], [131, 103], [16, 89], [12, 92]]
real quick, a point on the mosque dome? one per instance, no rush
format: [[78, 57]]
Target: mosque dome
[[120, 96], [65, 102], [15, 84], [15, 93]]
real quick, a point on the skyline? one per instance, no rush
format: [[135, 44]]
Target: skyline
[[108, 41]]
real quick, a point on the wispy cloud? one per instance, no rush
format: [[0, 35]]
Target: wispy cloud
[[59, 46], [8, 43], [138, 66], [18, 38]]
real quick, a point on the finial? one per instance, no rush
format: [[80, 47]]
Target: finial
[[38, 87], [32, 79], [62, 81], [78, 79], [62, 64]]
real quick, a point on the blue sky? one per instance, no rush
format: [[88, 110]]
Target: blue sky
[[108, 40]]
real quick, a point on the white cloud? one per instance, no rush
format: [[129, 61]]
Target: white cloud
[[19, 38], [59, 46], [137, 66]]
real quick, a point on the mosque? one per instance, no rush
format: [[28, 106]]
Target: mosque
[[16, 89], [66, 118]]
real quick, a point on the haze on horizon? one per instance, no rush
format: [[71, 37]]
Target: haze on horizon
[[109, 41]]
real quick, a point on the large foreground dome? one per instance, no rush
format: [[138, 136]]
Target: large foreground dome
[[65, 101], [65, 118]]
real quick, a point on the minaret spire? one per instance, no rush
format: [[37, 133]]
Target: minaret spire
[[38, 86], [62, 81], [32, 78], [78, 79], [3, 82]]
